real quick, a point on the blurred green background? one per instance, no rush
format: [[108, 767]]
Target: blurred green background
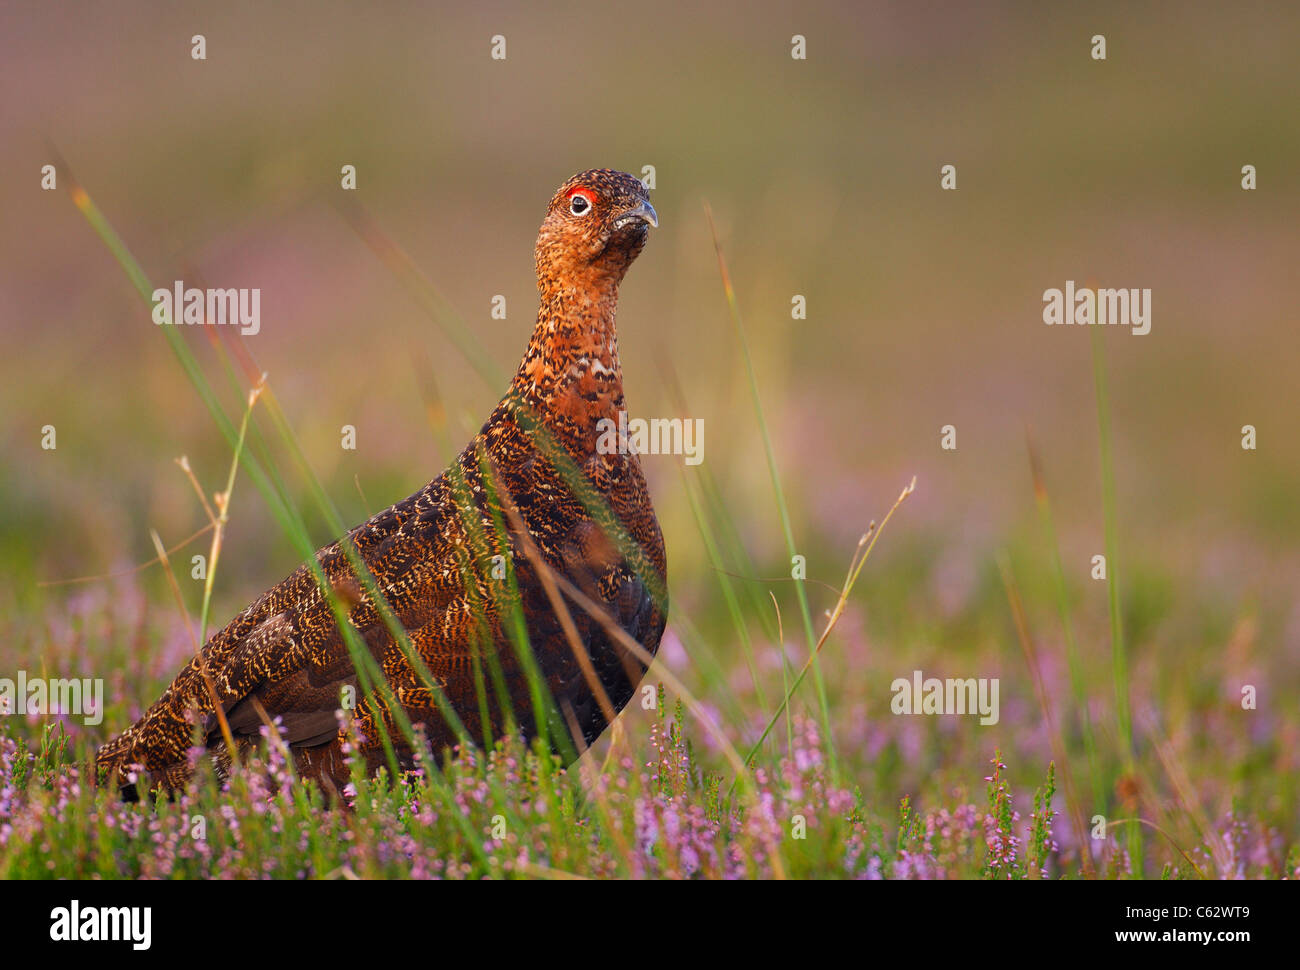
[[924, 306]]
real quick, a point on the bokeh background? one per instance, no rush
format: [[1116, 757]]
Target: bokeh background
[[924, 309]]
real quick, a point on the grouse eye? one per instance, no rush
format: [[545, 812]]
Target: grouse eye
[[579, 205]]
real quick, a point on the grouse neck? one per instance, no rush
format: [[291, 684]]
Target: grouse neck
[[571, 372]]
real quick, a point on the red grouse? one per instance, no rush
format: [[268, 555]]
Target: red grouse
[[532, 489]]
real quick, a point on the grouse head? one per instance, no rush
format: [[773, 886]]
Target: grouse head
[[595, 226]]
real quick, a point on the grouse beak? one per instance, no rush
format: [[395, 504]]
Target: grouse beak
[[641, 212]]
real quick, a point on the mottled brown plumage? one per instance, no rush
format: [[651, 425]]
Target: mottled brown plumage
[[431, 555]]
